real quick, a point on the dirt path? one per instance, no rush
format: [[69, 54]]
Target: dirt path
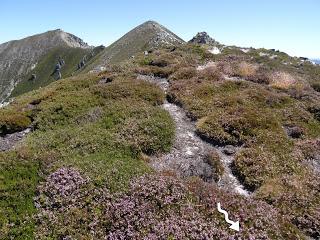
[[188, 155]]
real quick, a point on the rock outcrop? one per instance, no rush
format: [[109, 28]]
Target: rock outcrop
[[203, 38]]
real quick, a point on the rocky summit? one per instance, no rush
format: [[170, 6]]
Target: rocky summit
[[203, 38]]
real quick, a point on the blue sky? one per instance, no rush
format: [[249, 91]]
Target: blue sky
[[289, 25]]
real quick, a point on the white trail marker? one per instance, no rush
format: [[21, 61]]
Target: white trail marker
[[234, 225]]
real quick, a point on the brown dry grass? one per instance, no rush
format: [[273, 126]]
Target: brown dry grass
[[282, 80], [184, 73], [210, 73], [246, 70]]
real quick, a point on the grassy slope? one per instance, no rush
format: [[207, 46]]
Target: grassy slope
[[103, 129], [85, 125]]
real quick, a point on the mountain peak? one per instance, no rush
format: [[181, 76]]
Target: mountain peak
[[161, 35], [150, 22], [149, 35], [72, 40], [69, 39]]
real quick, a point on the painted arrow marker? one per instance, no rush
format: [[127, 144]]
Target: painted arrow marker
[[234, 225]]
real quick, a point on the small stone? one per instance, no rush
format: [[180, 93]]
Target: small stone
[[105, 80], [229, 150], [294, 131]]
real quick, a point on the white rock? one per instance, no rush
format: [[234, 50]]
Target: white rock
[[4, 104], [245, 50], [103, 69], [209, 64], [215, 50], [33, 66], [262, 54]]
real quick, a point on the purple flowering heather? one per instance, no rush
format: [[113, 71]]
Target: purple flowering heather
[[64, 182], [154, 207]]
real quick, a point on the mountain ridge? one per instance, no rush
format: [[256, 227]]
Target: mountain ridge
[[19, 57], [147, 147]]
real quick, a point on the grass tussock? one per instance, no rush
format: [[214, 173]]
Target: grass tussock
[[214, 161], [282, 80], [210, 73], [246, 70]]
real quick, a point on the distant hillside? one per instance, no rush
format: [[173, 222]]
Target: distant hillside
[[316, 61], [37, 54], [146, 36]]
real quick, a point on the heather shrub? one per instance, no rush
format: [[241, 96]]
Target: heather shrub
[[11, 122], [255, 116], [134, 90], [147, 134], [93, 115], [63, 108], [309, 152], [145, 61], [184, 73], [65, 183], [262, 76], [76, 122], [214, 161], [226, 68], [269, 154], [162, 72], [315, 110], [210, 129], [18, 182], [297, 197], [69, 206], [300, 90], [236, 125], [316, 86], [201, 51], [159, 62], [256, 216], [245, 70], [155, 207], [210, 74]]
